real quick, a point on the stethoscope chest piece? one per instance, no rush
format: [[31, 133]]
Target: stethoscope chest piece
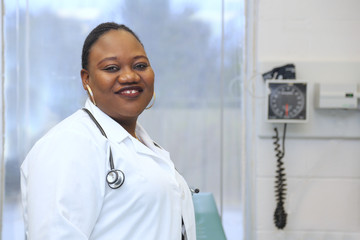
[[115, 178]]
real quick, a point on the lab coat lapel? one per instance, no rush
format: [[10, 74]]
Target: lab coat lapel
[[142, 149], [151, 148]]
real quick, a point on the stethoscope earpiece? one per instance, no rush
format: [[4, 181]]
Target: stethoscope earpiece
[[115, 178]]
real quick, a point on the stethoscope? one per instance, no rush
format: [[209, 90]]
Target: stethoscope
[[115, 177]]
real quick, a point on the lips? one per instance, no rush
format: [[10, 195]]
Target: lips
[[131, 92]]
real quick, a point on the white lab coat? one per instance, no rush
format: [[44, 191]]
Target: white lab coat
[[65, 194]]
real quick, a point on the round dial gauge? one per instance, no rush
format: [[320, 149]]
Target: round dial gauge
[[286, 101]]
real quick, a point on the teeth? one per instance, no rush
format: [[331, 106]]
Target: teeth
[[130, 91]]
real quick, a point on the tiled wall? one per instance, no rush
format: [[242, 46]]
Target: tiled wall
[[323, 173]]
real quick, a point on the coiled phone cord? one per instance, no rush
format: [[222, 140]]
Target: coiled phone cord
[[280, 183]]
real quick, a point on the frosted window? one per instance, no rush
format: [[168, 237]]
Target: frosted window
[[197, 110]]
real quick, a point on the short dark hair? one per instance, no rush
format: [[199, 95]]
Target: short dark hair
[[96, 33]]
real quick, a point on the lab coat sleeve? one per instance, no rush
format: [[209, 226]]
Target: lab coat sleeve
[[65, 186]]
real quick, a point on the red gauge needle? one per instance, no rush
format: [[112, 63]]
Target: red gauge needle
[[286, 110]]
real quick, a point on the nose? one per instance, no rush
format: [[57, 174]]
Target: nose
[[128, 76]]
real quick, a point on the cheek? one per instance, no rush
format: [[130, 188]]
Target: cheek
[[150, 79], [100, 82]]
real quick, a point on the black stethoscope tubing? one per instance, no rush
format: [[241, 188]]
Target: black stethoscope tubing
[[115, 177]]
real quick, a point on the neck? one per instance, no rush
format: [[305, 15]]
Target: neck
[[129, 126]]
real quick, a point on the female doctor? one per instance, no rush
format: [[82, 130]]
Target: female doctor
[[97, 174]]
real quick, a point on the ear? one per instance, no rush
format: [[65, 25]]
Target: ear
[[84, 77]]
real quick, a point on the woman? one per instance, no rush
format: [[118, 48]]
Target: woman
[[97, 174]]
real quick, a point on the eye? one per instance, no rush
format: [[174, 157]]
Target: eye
[[141, 66], [111, 68]]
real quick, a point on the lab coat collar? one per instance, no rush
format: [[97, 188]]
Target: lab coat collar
[[115, 132]]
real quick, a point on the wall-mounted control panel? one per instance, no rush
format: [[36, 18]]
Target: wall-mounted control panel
[[337, 96]]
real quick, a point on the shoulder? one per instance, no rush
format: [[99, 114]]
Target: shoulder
[[73, 137], [77, 126]]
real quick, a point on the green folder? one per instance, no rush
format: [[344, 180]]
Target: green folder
[[208, 222]]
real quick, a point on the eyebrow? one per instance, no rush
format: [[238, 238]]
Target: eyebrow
[[115, 58]]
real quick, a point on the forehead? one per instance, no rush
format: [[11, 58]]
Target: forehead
[[116, 42]]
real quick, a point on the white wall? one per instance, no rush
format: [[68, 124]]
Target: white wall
[[322, 161]]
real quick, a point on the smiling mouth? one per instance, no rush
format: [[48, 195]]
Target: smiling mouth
[[130, 91]]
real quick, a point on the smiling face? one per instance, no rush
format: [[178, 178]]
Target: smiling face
[[119, 75]]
